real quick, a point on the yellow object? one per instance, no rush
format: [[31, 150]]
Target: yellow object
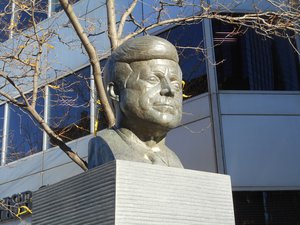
[[53, 86], [12, 25], [98, 102], [26, 210], [49, 46], [95, 127], [184, 95]]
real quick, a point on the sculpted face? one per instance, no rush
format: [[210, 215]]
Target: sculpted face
[[153, 93]]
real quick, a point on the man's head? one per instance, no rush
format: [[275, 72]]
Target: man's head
[[144, 82]]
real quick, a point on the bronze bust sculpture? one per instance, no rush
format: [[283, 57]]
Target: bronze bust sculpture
[[143, 81]]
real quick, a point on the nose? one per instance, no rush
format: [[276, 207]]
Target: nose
[[166, 87]]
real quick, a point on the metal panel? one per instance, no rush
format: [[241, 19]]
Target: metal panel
[[262, 150], [61, 172], [55, 157], [32, 183], [193, 143], [25, 221], [21, 168], [195, 108], [260, 103]]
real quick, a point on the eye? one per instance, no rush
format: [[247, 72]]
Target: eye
[[153, 79], [177, 85]]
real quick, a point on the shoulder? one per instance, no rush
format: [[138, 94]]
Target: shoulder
[[99, 148], [107, 132], [172, 158], [106, 135], [105, 139]]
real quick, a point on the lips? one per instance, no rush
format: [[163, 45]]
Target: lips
[[164, 107], [163, 104]]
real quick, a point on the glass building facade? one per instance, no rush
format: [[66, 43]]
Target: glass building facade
[[247, 60], [17, 16], [24, 136], [190, 46], [69, 113]]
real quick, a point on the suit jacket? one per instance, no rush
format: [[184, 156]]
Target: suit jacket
[[109, 146]]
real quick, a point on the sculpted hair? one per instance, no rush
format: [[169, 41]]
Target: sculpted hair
[[117, 69]]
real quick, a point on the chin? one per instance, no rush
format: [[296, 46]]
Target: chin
[[167, 122]]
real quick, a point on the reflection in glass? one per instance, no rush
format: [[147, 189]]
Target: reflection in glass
[[189, 42], [249, 61], [24, 17], [56, 6], [1, 128], [69, 105], [248, 207], [24, 135], [5, 7], [267, 207]]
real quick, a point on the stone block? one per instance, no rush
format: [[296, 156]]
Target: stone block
[[131, 193]]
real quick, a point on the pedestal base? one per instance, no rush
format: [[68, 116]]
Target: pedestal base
[[129, 193]]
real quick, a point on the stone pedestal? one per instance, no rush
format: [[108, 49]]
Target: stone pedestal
[[130, 193]]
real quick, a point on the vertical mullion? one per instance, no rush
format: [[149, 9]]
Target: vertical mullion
[[46, 117], [92, 102], [49, 8], [5, 134], [213, 94], [12, 19]]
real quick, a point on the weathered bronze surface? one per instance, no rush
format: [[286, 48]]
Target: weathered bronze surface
[[144, 84]]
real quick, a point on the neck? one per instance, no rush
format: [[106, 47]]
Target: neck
[[150, 137]]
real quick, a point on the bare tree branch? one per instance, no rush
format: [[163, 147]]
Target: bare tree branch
[[124, 17], [56, 139], [111, 24], [94, 59]]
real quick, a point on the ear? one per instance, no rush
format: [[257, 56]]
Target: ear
[[113, 91]]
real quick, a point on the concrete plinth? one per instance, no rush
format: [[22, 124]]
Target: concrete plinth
[[130, 193]]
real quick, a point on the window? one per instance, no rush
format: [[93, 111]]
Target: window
[[5, 7], [189, 42], [267, 207], [24, 17], [249, 61], [56, 7], [69, 116], [69, 105], [248, 208], [24, 135]]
